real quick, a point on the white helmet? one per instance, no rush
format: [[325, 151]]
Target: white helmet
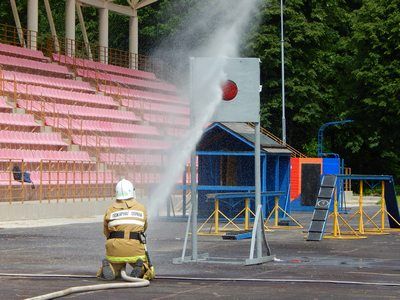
[[124, 190]]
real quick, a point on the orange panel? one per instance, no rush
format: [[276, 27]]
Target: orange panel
[[295, 174], [308, 160], [294, 178]]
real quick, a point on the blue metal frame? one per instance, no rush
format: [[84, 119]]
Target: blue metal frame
[[241, 148], [320, 152], [243, 195], [227, 153], [365, 177], [342, 177]]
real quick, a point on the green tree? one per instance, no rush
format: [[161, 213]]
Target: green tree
[[375, 101]]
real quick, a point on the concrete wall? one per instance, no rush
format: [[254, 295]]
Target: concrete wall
[[34, 210]]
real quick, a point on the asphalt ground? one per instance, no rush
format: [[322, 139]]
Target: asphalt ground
[[79, 248]]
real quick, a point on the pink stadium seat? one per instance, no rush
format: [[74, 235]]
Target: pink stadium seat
[[101, 126], [17, 120], [78, 111], [23, 52], [157, 85], [126, 92], [38, 155], [134, 159], [46, 81], [88, 64], [119, 142], [166, 119], [155, 107], [70, 96], [34, 66], [31, 138]]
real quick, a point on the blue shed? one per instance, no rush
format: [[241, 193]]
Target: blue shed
[[226, 164]]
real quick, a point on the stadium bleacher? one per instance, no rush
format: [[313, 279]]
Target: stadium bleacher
[[106, 120]]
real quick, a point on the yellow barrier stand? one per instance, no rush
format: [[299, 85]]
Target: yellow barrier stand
[[216, 224], [383, 213], [361, 214], [336, 232], [275, 212]]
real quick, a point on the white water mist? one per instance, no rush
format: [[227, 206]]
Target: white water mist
[[229, 19]]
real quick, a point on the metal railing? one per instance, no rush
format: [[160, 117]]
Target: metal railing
[[60, 180], [18, 36], [31, 39], [116, 57], [295, 152]]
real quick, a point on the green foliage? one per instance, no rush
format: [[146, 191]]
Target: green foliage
[[342, 60]]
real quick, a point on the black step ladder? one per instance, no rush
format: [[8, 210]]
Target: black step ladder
[[320, 216]]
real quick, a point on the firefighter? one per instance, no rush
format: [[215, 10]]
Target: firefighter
[[124, 225]]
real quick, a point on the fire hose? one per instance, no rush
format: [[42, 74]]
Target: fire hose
[[137, 282]]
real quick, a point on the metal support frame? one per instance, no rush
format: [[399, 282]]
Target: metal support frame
[[83, 28], [126, 10], [18, 23], [382, 213], [283, 78], [363, 218], [336, 232], [52, 26], [257, 174], [361, 214], [275, 213], [320, 149], [215, 215], [258, 235]]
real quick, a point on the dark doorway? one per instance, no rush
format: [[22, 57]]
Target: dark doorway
[[228, 170], [310, 182]]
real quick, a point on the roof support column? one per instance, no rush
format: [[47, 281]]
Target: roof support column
[[133, 41], [52, 26], [33, 15], [103, 35], [18, 23], [84, 33], [70, 27]]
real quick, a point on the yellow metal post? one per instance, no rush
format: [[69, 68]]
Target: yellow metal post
[[361, 216], [246, 213], [41, 182], [74, 182], [337, 218], [58, 181], [336, 230], [216, 216], [22, 182], [276, 221]]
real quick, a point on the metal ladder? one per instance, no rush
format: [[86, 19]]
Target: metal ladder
[[320, 215]]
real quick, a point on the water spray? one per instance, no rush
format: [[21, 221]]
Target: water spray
[[230, 19]]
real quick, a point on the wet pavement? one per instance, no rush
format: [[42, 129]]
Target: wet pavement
[[78, 249]]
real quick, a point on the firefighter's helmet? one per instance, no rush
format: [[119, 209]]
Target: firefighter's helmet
[[124, 190]]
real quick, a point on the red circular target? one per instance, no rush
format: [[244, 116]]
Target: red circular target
[[229, 90]]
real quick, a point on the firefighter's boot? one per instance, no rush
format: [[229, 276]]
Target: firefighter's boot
[[107, 271], [137, 269]]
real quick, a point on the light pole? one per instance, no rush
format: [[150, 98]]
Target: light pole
[[283, 79]]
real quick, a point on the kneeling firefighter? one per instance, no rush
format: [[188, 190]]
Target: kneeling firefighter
[[124, 225]]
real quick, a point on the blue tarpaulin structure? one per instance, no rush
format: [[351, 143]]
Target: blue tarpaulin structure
[[226, 164]]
